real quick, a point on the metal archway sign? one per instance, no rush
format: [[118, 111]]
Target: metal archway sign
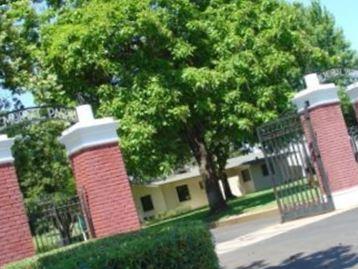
[[36, 114], [328, 76]]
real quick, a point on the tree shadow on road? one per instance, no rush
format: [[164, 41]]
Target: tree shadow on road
[[339, 257]]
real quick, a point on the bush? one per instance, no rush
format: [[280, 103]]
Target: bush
[[185, 246]]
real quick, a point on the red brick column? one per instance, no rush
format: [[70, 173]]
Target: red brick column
[[333, 140], [15, 236], [335, 148], [100, 171]]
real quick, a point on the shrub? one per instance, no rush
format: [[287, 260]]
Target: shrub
[[185, 246]]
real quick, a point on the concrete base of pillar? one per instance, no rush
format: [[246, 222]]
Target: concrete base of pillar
[[345, 199]]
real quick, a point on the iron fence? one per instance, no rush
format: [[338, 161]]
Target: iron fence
[[353, 133], [55, 224], [293, 161]]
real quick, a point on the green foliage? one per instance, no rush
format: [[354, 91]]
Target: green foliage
[[41, 163], [16, 43], [163, 67], [347, 108], [186, 246], [185, 78]]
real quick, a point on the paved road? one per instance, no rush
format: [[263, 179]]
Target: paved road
[[226, 233], [330, 244]]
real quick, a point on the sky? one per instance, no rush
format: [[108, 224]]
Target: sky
[[344, 11]]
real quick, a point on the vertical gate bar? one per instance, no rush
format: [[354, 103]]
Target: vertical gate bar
[[311, 166], [291, 176], [282, 189], [353, 139], [320, 165], [294, 160], [86, 213], [291, 155], [286, 182], [309, 171], [283, 161], [33, 229], [298, 157], [284, 172], [271, 175], [53, 215], [296, 153]]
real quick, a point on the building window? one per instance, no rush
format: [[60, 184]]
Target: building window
[[264, 169], [183, 193], [147, 203], [246, 175], [201, 185]]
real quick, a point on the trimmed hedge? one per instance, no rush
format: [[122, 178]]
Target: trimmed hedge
[[183, 246]]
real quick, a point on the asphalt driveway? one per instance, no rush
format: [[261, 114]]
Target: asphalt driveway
[[329, 243]]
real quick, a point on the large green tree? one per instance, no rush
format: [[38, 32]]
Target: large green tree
[[186, 78]]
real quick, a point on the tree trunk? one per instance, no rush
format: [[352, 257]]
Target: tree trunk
[[226, 186], [207, 169], [215, 198]]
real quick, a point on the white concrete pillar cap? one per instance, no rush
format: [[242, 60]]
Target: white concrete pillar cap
[[5, 149], [88, 131], [352, 91], [315, 94], [84, 113]]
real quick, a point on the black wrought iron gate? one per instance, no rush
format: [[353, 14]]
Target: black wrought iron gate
[[55, 224], [293, 160]]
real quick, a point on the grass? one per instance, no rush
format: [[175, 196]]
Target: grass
[[249, 203], [246, 204], [52, 239]]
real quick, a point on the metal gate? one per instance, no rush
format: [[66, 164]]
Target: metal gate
[[55, 224], [353, 134], [293, 160]]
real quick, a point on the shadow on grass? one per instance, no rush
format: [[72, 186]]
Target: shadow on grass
[[338, 257], [236, 206]]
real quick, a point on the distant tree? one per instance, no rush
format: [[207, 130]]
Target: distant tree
[[185, 78], [18, 24], [41, 163]]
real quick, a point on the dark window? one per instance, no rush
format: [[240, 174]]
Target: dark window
[[264, 169], [245, 175], [183, 193], [201, 185], [147, 203]]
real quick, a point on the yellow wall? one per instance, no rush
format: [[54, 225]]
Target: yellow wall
[[157, 199], [165, 198], [198, 196], [237, 185]]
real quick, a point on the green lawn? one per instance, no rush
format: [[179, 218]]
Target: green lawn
[[249, 203]]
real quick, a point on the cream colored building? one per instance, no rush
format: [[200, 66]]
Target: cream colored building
[[185, 191]]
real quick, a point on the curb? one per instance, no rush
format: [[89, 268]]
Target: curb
[[245, 218]]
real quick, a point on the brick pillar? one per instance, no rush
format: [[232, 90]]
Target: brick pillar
[[333, 140], [92, 145], [352, 92], [15, 236]]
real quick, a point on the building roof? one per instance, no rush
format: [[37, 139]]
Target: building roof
[[194, 171]]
